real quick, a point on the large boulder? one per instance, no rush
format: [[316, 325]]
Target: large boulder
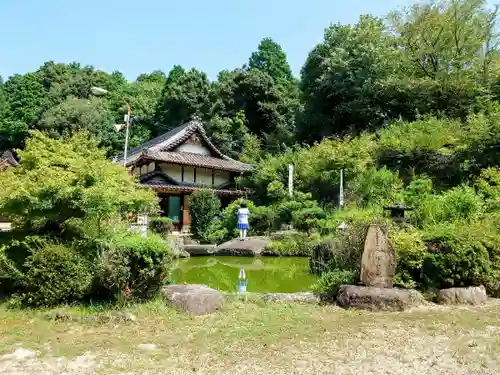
[[251, 246], [193, 299], [474, 295], [373, 298]]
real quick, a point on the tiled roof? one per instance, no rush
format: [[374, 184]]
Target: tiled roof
[[8, 160], [188, 189], [172, 139], [197, 160]]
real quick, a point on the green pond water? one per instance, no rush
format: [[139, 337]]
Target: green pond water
[[264, 274]]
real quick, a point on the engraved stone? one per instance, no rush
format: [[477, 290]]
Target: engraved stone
[[378, 263]]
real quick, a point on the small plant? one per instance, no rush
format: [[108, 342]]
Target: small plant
[[329, 283]]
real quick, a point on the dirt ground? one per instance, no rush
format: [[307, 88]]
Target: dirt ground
[[252, 338]]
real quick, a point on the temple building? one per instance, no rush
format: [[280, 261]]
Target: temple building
[[180, 162]]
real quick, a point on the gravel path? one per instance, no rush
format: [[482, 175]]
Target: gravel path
[[332, 341]]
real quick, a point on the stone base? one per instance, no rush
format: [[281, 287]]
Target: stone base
[[474, 295], [381, 299]]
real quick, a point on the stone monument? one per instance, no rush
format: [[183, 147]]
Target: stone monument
[[378, 263]]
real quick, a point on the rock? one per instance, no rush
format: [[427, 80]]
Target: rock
[[251, 246], [372, 298], [199, 250], [146, 347], [305, 297], [194, 299], [378, 263], [19, 354], [474, 295]]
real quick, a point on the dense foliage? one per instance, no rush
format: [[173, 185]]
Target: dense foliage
[[407, 106], [69, 207]]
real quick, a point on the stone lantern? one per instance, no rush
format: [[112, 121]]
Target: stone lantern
[[398, 212]]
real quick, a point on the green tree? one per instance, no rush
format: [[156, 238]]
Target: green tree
[[25, 95], [340, 77], [271, 59], [64, 184], [228, 134], [186, 93], [443, 38]]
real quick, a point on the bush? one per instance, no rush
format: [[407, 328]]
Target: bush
[[263, 220], [461, 203], [342, 252], [297, 244], [410, 252], [13, 256], [456, 257], [307, 219], [375, 186], [204, 206], [329, 283], [489, 186], [135, 266], [56, 274], [161, 225]]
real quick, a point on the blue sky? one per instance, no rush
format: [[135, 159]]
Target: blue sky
[[137, 37]]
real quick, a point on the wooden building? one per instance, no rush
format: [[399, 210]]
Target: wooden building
[[181, 161]]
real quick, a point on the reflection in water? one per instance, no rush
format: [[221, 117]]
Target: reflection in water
[[266, 274]]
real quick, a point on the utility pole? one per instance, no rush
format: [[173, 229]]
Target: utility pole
[[341, 192], [127, 125]]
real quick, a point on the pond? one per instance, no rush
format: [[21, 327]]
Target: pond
[[264, 274]]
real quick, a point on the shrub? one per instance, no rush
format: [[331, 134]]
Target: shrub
[[489, 186], [410, 252], [329, 283], [287, 207], [342, 252], [297, 244], [161, 225], [56, 274], [263, 220], [458, 204], [13, 256], [375, 186], [204, 206], [307, 219], [456, 257], [135, 266]]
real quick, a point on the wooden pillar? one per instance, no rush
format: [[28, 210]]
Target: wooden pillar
[[186, 217]]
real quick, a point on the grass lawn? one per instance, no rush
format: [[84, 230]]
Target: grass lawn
[[256, 338]]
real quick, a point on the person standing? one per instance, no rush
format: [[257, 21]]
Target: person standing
[[243, 213]]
